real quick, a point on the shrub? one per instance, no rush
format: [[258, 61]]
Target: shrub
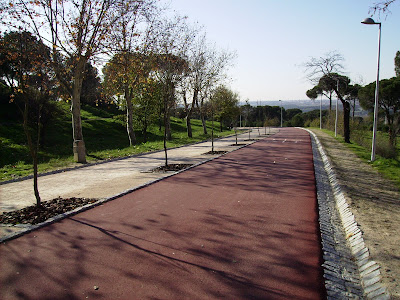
[[314, 123], [384, 149], [297, 121]]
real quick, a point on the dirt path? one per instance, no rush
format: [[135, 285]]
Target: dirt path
[[243, 226], [376, 204]]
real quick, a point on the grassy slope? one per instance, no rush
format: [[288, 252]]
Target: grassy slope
[[105, 138], [389, 168]]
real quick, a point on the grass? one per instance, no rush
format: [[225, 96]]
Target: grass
[[105, 138], [388, 167]]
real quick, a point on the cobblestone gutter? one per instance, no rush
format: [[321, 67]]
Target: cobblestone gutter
[[349, 272]]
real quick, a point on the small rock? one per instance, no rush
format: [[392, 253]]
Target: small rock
[[96, 287]]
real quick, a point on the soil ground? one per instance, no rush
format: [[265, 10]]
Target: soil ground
[[375, 202]]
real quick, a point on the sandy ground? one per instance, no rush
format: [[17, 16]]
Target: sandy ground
[[375, 202]]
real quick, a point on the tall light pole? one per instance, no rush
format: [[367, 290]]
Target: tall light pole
[[281, 111], [320, 113], [337, 100], [370, 21]]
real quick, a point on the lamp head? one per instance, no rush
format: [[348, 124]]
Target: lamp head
[[369, 21]]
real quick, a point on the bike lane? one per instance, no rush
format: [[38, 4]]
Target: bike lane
[[243, 226]]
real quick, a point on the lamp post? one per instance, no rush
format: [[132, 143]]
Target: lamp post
[[320, 113], [370, 21], [337, 100], [281, 111]]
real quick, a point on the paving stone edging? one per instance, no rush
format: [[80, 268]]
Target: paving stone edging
[[30, 228], [349, 272]]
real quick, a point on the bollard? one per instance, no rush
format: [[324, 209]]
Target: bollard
[[79, 151]]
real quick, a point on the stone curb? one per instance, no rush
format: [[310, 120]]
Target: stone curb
[[367, 269], [30, 228]]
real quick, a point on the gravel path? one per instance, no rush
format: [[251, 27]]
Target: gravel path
[[375, 202]]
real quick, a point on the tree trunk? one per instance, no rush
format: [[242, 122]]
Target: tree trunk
[[236, 136], [129, 117], [393, 125], [188, 118], [167, 122], [165, 131], [160, 118], [33, 152], [145, 124], [212, 130], [168, 127], [145, 133], [189, 126], [190, 111], [202, 115], [346, 121], [78, 145], [203, 122]]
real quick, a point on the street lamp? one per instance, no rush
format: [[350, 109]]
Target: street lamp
[[281, 111], [370, 21], [337, 100], [320, 113]]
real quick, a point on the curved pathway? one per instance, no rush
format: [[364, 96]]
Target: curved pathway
[[243, 226]]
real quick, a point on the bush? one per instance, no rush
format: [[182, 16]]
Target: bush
[[384, 149], [297, 121], [272, 122], [313, 123], [121, 118]]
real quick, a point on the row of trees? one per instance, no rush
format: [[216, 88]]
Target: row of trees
[[149, 63], [325, 72], [148, 57]]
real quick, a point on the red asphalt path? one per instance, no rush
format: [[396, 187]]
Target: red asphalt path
[[243, 226]]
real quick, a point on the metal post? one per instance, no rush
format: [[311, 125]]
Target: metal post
[[337, 98], [320, 114], [376, 108], [370, 21]]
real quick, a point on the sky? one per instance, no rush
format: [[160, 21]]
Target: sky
[[272, 39]]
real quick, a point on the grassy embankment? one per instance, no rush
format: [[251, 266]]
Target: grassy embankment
[[105, 138], [388, 167]]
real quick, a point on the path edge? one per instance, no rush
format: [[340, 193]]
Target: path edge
[[30, 228], [90, 164], [369, 270]]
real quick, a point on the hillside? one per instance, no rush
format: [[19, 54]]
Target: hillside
[[105, 138]]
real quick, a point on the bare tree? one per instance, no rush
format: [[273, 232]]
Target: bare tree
[[132, 40], [381, 7], [195, 78], [208, 68], [318, 67], [173, 37], [77, 29]]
